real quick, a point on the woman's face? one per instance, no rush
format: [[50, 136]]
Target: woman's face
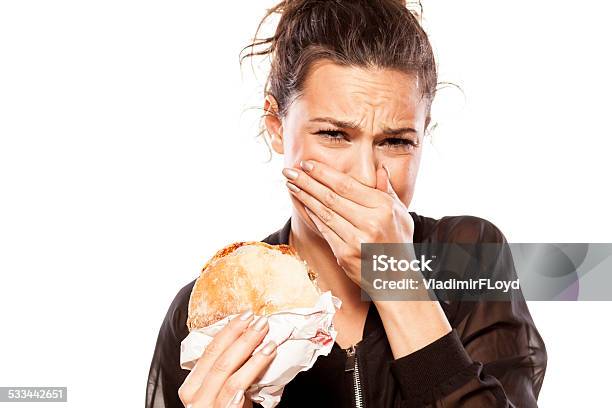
[[354, 120]]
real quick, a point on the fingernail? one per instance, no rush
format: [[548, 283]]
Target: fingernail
[[290, 173], [246, 315], [306, 165], [237, 397], [260, 323], [269, 348], [292, 187]]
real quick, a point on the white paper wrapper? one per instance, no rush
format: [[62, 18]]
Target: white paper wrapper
[[303, 334]]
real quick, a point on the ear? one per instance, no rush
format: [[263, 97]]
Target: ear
[[273, 124]]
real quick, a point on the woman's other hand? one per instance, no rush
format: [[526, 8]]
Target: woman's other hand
[[228, 366]]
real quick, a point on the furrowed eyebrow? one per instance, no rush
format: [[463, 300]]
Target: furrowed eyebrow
[[397, 132], [352, 125], [337, 123]]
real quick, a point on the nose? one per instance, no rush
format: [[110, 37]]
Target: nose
[[363, 166]]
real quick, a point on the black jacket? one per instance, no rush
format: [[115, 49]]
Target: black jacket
[[493, 357]]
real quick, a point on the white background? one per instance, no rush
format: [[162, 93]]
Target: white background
[[126, 147]]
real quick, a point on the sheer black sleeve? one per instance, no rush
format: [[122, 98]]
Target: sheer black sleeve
[[493, 357], [165, 373]]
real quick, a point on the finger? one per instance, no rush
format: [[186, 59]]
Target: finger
[[341, 183], [335, 242], [230, 360], [236, 401], [324, 194], [383, 181], [222, 340], [334, 221], [246, 375]]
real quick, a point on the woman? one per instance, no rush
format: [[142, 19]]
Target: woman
[[347, 103]]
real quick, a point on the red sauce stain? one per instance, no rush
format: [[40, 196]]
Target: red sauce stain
[[322, 337]]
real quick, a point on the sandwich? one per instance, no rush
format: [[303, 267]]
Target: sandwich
[[251, 275]]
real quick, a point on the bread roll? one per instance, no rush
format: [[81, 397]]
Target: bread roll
[[251, 275]]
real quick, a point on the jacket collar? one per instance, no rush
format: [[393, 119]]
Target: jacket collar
[[283, 234]]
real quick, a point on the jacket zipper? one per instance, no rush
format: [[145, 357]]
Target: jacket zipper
[[351, 365]]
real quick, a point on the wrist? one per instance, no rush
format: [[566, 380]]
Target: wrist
[[412, 325]]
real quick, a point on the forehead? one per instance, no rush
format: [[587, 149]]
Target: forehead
[[354, 90]]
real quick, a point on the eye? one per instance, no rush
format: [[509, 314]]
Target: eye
[[400, 143], [334, 136]]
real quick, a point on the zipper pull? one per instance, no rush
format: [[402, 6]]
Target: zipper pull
[[350, 359]]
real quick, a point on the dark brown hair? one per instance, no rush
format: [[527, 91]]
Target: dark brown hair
[[362, 33]]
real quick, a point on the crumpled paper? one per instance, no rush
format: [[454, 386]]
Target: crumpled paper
[[303, 334]]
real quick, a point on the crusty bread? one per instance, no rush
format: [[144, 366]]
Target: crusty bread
[[251, 275]]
